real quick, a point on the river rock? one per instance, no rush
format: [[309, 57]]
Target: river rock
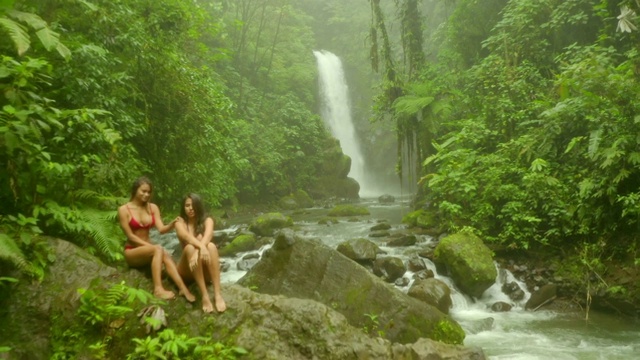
[[360, 250], [267, 224], [241, 243], [542, 296], [309, 269], [433, 292], [406, 240], [468, 261], [381, 226], [389, 268]]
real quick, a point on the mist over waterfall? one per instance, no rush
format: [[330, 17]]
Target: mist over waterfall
[[336, 113]]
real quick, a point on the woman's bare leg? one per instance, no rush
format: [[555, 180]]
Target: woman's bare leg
[[214, 273], [143, 255], [183, 267], [172, 270]]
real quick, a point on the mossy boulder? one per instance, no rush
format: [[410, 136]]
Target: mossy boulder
[[241, 243], [468, 261], [421, 218], [335, 163], [309, 269], [348, 210], [266, 224], [297, 200]]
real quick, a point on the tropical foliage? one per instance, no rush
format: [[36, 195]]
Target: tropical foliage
[[197, 95], [526, 129]]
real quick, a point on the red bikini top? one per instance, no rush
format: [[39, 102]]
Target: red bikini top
[[135, 225]]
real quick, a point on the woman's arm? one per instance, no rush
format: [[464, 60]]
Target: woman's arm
[[185, 236], [207, 236], [124, 224], [162, 228]]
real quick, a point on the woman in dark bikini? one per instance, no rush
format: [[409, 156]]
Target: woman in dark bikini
[[136, 219], [199, 260]]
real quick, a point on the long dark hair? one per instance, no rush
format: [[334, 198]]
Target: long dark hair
[[139, 182], [198, 208]]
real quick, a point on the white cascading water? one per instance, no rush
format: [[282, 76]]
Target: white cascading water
[[336, 112]]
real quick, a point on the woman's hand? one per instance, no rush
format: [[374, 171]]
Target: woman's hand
[[204, 254], [193, 262]]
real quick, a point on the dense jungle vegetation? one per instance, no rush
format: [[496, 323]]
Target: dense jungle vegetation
[[518, 119]]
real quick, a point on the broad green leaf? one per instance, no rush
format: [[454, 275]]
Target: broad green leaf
[[33, 20], [63, 51], [48, 37], [17, 33], [4, 72]]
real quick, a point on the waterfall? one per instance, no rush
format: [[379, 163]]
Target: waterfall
[[336, 112]]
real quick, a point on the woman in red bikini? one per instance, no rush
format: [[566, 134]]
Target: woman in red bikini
[[199, 260], [136, 219]]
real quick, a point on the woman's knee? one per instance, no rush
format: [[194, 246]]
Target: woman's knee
[[189, 249], [213, 249]]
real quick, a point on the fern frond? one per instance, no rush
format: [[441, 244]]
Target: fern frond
[[104, 232], [85, 194], [10, 251]]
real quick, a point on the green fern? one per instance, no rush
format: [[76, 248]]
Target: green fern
[[103, 231], [10, 251]]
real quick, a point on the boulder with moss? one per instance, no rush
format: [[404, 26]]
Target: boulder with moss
[[267, 224], [241, 243], [309, 269], [468, 261]]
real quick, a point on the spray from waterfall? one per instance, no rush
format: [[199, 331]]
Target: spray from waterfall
[[336, 112]]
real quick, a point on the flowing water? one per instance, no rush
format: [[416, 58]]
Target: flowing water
[[517, 334], [336, 110]]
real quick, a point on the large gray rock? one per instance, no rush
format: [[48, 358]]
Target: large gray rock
[[309, 269], [35, 315], [432, 291], [360, 250], [468, 261]]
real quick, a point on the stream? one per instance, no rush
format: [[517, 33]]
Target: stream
[[516, 334]]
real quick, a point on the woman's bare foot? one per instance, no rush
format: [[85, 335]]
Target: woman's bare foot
[[188, 295], [207, 307], [221, 306], [164, 294]]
